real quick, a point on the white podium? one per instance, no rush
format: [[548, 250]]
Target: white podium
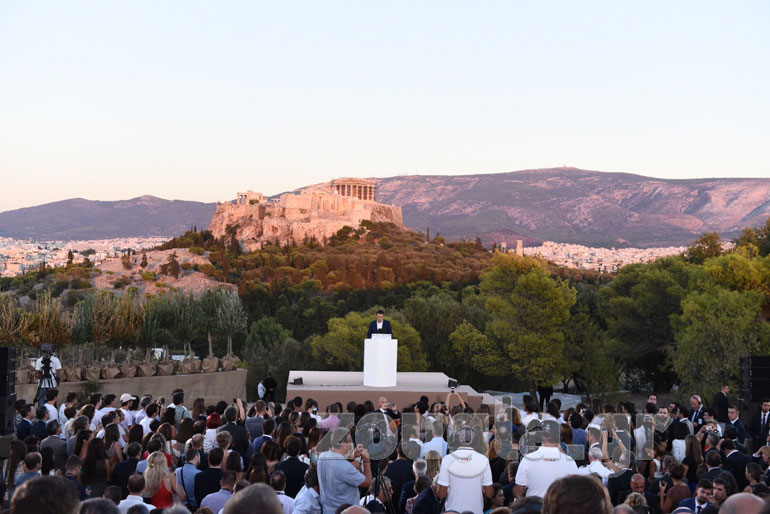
[[380, 361]]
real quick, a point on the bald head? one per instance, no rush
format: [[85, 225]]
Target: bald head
[[637, 483], [355, 509], [742, 503]]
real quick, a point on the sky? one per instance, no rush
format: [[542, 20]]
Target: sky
[[198, 100]]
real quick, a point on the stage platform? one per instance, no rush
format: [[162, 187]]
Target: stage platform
[[327, 387]]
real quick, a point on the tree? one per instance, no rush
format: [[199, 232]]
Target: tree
[[187, 319], [70, 257], [171, 267], [342, 348], [126, 261], [266, 333], [706, 246], [231, 318], [524, 336], [49, 323], [14, 323], [143, 262], [435, 318], [637, 307], [716, 328]]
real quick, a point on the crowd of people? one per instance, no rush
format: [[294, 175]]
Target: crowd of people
[[139, 455]]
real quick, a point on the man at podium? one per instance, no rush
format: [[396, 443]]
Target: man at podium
[[379, 326]]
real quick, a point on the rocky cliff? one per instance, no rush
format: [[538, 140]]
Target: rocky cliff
[[311, 213]]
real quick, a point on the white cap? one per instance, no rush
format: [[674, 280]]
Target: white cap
[[125, 397]]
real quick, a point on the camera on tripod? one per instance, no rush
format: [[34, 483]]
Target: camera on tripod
[[47, 379]]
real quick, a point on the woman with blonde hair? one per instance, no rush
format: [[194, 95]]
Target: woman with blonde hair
[[160, 484], [433, 458]]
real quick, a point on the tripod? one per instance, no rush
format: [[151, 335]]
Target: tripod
[[377, 480], [45, 376]]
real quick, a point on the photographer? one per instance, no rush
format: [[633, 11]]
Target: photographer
[[48, 371]]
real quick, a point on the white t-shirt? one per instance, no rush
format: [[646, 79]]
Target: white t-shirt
[[55, 367], [529, 417], [464, 472], [100, 413], [539, 469], [145, 423], [128, 422], [53, 414]]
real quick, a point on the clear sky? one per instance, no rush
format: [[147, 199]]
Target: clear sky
[[199, 100]]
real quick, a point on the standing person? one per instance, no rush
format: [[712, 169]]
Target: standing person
[[465, 477], [379, 326], [270, 386], [186, 476], [722, 403], [292, 467], [760, 425], [134, 497], [734, 420], [216, 501], [340, 479], [207, 482], [308, 500], [539, 469], [48, 372], [160, 483], [70, 402], [671, 497], [240, 435]]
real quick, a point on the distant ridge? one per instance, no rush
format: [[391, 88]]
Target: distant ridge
[[567, 205], [77, 218], [572, 205]]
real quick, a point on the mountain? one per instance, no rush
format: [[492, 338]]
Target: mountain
[[560, 204], [78, 218], [577, 206]]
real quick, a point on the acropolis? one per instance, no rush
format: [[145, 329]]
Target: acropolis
[[316, 211]]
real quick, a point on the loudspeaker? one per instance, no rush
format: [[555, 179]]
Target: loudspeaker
[[7, 371], [7, 389], [755, 378]]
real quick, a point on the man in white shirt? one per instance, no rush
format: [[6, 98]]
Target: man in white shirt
[[278, 483], [135, 488], [108, 401], [48, 372], [71, 401], [150, 416], [51, 397], [531, 414], [140, 415], [595, 466], [539, 469], [128, 414], [437, 443], [465, 476]]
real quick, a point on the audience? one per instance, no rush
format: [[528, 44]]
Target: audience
[[147, 457]]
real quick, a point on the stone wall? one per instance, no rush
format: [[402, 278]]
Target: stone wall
[[212, 387]]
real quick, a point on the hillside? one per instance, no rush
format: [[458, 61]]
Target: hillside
[[78, 218], [577, 206]]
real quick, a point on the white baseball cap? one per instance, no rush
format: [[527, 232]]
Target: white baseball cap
[[125, 397]]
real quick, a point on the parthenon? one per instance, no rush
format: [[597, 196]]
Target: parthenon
[[356, 187], [250, 197]]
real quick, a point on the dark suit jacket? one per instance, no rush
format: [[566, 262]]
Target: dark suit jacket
[[697, 417], [618, 484], [427, 503], [294, 469], [256, 446], [22, 430], [386, 328], [399, 472], [240, 438], [711, 474], [736, 463], [122, 471], [721, 404], [757, 431], [207, 482], [740, 427], [39, 430], [407, 491], [690, 503]]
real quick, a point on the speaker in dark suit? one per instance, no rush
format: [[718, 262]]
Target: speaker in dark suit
[[379, 326], [735, 463]]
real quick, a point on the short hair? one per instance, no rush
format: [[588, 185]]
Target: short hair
[[577, 494], [51, 393], [138, 508], [731, 432], [98, 506], [228, 478], [260, 405], [52, 426], [705, 483], [41, 412], [713, 459], [191, 454], [255, 498], [278, 480], [420, 467], [268, 427], [154, 444], [135, 483], [231, 413], [49, 495], [215, 456], [422, 483], [676, 471], [113, 493], [380, 483], [73, 463], [107, 399], [293, 446], [197, 441], [133, 450], [311, 476], [71, 397], [108, 418], [177, 398], [380, 311], [728, 444], [32, 460], [224, 439]]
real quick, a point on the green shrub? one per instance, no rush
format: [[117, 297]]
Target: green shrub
[[148, 276]]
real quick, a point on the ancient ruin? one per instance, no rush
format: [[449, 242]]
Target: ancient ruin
[[314, 212]]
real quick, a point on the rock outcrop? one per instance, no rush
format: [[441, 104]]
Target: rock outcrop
[[315, 212]]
